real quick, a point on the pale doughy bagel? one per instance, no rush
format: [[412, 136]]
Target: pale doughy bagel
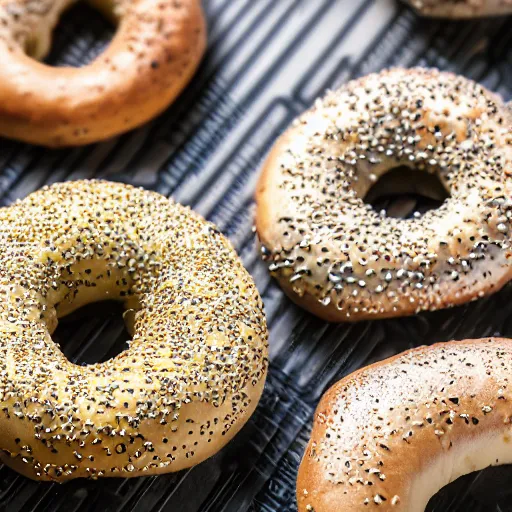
[[153, 55], [336, 256], [389, 436], [461, 8], [194, 370]]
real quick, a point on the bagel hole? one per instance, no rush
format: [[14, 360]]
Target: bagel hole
[[487, 489], [93, 333], [81, 34], [404, 193]]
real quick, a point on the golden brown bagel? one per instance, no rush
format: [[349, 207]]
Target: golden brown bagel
[[461, 8], [194, 370], [342, 260], [389, 436], [153, 55]]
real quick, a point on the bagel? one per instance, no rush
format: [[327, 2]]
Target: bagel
[[389, 436], [340, 259], [153, 55], [194, 370], [461, 8]]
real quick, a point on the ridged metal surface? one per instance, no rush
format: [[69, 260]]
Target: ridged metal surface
[[267, 61]]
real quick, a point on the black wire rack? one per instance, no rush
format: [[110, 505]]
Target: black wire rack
[[267, 61]]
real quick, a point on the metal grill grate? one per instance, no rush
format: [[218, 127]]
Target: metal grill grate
[[266, 62]]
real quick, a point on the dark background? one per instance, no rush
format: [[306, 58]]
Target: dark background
[[267, 61]]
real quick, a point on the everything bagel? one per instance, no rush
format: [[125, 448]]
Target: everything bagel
[[153, 55], [342, 260], [461, 8], [194, 370], [389, 436]]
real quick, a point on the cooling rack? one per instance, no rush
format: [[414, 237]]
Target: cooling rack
[[267, 61]]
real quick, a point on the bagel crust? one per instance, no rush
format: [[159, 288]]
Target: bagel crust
[[461, 8], [195, 367], [155, 52], [389, 436], [339, 258]]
